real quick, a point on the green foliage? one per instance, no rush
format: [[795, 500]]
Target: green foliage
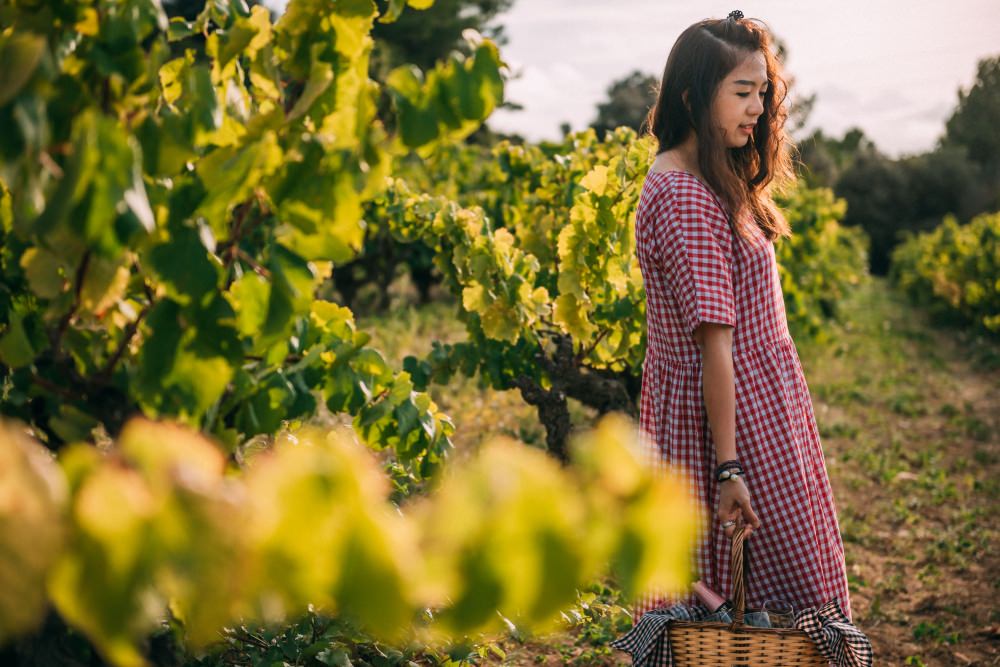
[[887, 197], [542, 258], [158, 526], [972, 124], [820, 263], [954, 270], [450, 104], [562, 263], [425, 37], [599, 616], [319, 639], [32, 493], [168, 220]]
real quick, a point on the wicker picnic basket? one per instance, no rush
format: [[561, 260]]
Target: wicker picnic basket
[[715, 644]]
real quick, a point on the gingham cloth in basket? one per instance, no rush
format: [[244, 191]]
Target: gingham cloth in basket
[[837, 639]]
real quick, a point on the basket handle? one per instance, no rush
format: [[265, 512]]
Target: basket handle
[[740, 568]]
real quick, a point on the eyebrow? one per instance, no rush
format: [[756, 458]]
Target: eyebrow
[[746, 83]]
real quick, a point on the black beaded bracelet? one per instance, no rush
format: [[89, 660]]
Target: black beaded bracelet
[[729, 470], [726, 465], [730, 473]]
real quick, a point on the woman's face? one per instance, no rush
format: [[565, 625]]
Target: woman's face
[[740, 100]]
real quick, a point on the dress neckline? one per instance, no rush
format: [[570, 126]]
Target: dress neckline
[[703, 184], [678, 171], [711, 192]]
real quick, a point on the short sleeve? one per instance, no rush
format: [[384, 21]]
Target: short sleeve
[[695, 260]]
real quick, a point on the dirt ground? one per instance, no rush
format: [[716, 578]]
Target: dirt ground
[[910, 422]]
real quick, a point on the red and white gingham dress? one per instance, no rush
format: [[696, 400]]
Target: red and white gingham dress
[[694, 269]]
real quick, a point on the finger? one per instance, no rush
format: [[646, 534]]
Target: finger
[[747, 514], [753, 520], [741, 522]]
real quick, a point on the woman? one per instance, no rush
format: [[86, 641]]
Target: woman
[[722, 381]]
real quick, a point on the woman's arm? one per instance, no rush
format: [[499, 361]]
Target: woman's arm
[[718, 385], [719, 388]]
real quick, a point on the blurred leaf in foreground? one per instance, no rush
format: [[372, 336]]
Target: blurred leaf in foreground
[[32, 496]]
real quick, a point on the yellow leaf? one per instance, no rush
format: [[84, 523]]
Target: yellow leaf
[[571, 315], [103, 285], [474, 298], [655, 514], [88, 25], [46, 273], [260, 18], [503, 533], [103, 583], [566, 243], [596, 180], [32, 493], [164, 451], [319, 505], [617, 277], [500, 322]]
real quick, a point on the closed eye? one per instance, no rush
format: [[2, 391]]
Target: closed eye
[[745, 94]]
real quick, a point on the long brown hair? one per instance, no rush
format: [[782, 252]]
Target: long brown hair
[[742, 177]]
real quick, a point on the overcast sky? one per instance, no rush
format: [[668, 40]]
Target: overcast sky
[[890, 67]]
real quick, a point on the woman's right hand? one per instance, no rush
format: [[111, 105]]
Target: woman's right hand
[[734, 504]]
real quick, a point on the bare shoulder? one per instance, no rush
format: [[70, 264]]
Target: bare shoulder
[[667, 161]]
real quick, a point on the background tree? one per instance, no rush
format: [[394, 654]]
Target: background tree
[[628, 102], [940, 182], [887, 197], [973, 124], [424, 37], [878, 199], [825, 158]]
